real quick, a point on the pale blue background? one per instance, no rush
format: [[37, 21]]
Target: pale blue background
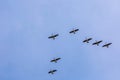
[[25, 50]]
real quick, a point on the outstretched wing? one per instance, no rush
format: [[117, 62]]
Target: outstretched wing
[[52, 61], [54, 70], [71, 31], [94, 43], [56, 35], [50, 37], [76, 30], [58, 58], [49, 72]]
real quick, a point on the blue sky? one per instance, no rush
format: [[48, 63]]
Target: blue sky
[[25, 50]]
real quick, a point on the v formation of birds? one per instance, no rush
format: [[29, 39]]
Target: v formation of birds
[[84, 41]]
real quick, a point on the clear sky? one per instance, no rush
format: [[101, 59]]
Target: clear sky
[[26, 51]]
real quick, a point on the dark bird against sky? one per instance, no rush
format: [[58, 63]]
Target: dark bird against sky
[[74, 31], [87, 40], [52, 71], [53, 36], [97, 42], [107, 45], [55, 60]]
